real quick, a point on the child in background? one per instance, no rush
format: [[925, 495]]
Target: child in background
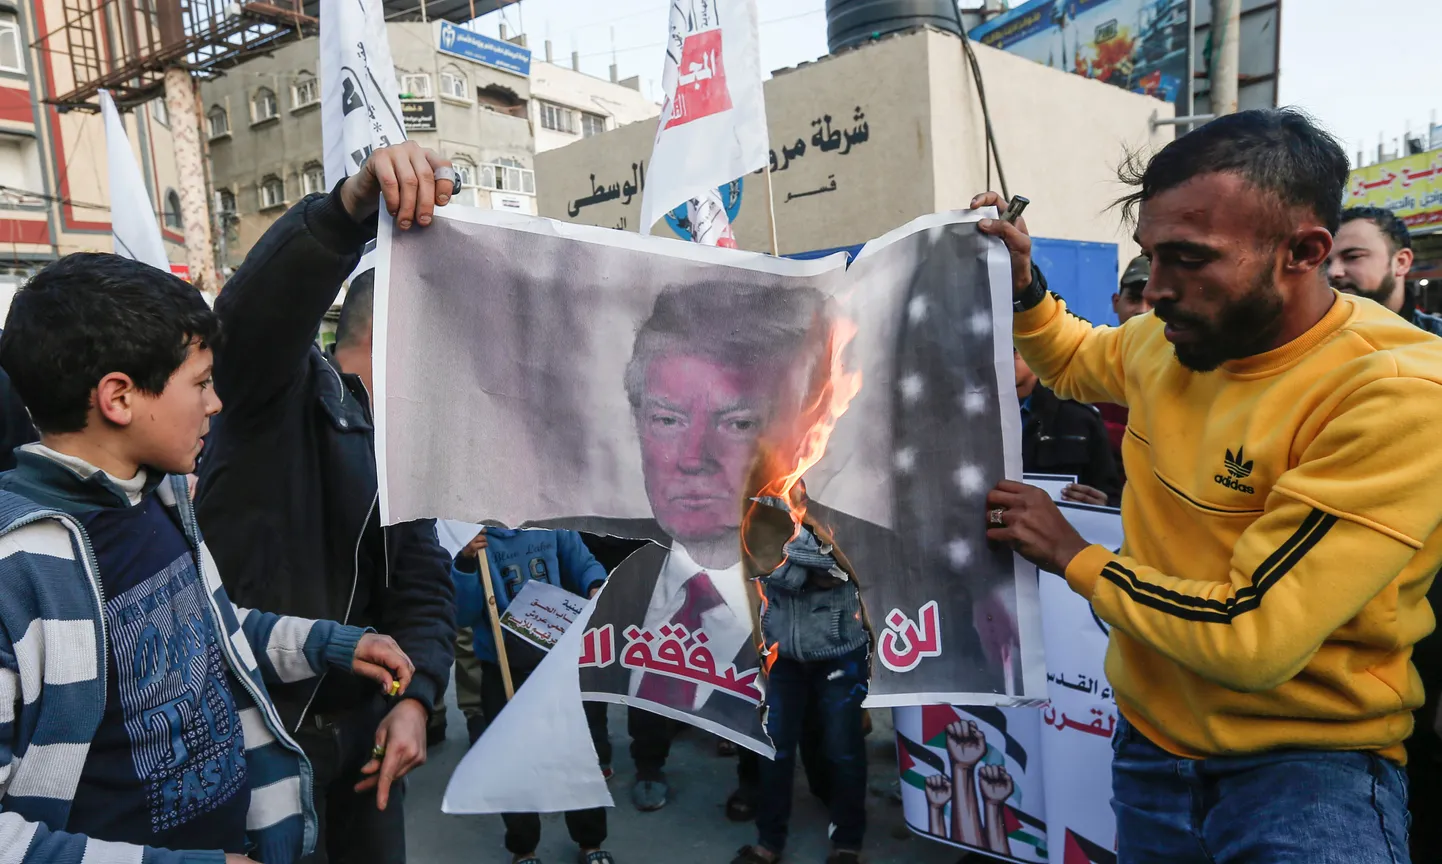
[[559, 558]]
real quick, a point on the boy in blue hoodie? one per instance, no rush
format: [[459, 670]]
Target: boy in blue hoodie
[[135, 723], [516, 557]]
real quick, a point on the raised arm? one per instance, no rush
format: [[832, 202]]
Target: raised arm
[[580, 571], [1069, 355], [272, 307], [1337, 530]]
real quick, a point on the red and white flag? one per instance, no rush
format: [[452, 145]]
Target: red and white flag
[[713, 122]]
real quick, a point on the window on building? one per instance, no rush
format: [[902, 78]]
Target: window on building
[[507, 175], [557, 118], [455, 86], [592, 124], [263, 106], [416, 86], [502, 100], [12, 50], [305, 91], [272, 192], [219, 121], [466, 173], [312, 179], [225, 202], [159, 112], [172, 210], [20, 173]]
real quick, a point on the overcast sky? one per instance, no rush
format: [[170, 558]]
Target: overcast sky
[[1362, 68]]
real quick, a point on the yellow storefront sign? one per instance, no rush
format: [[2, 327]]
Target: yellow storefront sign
[[1411, 187]]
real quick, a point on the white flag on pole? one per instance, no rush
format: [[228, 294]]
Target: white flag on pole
[[132, 216], [360, 108], [713, 122]]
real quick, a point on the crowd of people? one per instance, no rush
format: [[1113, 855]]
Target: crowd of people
[[1264, 401]]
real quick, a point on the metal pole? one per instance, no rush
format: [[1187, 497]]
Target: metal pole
[[1191, 58], [771, 213], [1226, 27], [180, 101]]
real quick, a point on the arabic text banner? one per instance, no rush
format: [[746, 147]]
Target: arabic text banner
[[639, 387], [1048, 796], [1411, 187]]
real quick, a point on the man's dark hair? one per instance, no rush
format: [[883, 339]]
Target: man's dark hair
[[357, 310], [1277, 150], [92, 314], [1389, 223]]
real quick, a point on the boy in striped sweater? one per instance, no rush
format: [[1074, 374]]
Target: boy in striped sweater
[[135, 723]]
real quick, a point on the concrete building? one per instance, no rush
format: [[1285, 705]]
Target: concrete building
[[54, 180], [264, 125], [873, 137]]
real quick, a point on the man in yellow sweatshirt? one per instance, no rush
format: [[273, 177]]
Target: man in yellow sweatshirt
[[1282, 510]]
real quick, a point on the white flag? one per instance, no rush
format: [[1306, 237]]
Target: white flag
[[132, 216], [360, 108], [713, 122]]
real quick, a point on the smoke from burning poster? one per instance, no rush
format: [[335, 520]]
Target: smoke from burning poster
[[530, 372]]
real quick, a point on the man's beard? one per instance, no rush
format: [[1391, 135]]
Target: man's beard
[[1381, 294], [1246, 327]]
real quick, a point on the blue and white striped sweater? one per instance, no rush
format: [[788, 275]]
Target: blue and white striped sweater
[[52, 692]]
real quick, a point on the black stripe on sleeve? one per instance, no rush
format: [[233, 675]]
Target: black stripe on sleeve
[[1246, 598]]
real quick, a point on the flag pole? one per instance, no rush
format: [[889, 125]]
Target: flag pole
[[771, 212], [495, 616]]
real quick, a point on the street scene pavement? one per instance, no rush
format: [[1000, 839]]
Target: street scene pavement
[[691, 829]]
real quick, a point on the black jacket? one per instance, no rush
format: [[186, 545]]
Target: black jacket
[[15, 426], [1066, 437], [288, 496]]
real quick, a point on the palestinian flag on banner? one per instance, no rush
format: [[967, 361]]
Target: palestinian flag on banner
[[1080, 850], [919, 761]]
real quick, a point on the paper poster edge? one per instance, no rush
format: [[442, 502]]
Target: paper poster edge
[[922, 223], [962, 700], [680, 716], [649, 244], [380, 315]]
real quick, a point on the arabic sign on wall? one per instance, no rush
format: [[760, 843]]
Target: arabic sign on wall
[[1138, 45], [1410, 187], [459, 42], [419, 115]]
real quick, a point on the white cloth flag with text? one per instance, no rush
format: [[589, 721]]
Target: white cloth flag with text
[[713, 122], [132, 216], [360, 106]]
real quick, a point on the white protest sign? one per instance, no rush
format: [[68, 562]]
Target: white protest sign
[[360, 105], [542, 613]]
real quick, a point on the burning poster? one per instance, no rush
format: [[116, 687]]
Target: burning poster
[[534, 372]]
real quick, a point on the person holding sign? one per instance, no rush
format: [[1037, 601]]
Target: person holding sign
[[514, 558], [1282, 519]]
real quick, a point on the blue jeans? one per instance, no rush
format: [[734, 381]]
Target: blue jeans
[[838, 687], [1279, 807]]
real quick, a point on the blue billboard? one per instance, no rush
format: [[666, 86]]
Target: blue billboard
[[459, 42]]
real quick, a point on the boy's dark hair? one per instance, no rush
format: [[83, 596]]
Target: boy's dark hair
[[1277, 150], [1389, 223], [88, 315], [357, 310]]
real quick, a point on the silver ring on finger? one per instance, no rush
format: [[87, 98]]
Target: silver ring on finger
[[994, 517], [445, 172]]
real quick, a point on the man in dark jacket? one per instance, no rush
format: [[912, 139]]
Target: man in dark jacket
[[289, 505], [15, 426], [1059, 436]]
